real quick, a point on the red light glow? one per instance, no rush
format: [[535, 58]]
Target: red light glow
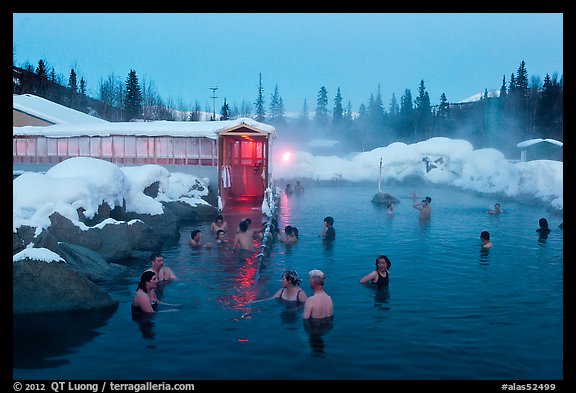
[[286, 156]]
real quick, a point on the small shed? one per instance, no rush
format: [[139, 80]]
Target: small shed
[[541, 149]]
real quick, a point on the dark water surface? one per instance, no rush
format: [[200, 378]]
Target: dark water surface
[[450, 312]]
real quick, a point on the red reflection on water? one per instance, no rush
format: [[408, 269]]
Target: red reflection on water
[[242, 289]]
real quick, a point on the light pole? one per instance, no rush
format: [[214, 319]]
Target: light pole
[[213, 88]]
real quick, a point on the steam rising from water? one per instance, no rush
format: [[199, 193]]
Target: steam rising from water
[[452, 162]]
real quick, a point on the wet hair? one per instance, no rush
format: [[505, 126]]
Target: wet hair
[[219, 217], [485, 235], [292, 276], [329, 220], [295, 231], [145, 277], [317, 277], [155, 255], [194, 233], [288, 229], [218, 232], [248, 221], [543, 223], [243, 226], [428, 199], [386, 259]]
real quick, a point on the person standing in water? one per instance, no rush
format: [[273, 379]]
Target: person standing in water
[[290, 291], [380, 276], [424, 210], [218, 224], [298, 189], [320, 304], [243, 238], [162, 272], [544, 230], [328, 231], [390, 209], [485, 238]]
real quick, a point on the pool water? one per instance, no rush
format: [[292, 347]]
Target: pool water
[[450, 312]]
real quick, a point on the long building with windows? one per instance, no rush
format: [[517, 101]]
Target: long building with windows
[[236, 152]]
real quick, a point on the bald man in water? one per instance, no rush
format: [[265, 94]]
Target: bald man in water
[[320, 304]]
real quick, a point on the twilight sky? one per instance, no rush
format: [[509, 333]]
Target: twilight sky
[[185, 54]]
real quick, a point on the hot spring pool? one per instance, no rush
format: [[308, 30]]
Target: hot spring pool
[[450, 312]]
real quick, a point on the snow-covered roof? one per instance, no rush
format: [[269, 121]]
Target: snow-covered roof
[[51, 111], [531, 142], [479, 96], [208, 129]]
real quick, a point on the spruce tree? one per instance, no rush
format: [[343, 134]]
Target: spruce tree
[[133, 102], [338, 111], [423, 112], [83, 99], [276, 107], [43, 77], [260, 111], [503, 87], [321, 115], [73, 89], [406, 117], [225, 112]]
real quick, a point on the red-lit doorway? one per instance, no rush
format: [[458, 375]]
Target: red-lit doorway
[[243, 167]]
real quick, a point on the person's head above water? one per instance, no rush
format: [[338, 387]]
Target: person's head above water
[[543, 223], [292, 277], [317, 277], [385, 258]]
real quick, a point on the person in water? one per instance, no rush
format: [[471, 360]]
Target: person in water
[[243, 238], [290, 290], [424, 209], [544, 230], [497, 209], [485, 239], [196, 239], [380, 276], [298, 189], [390, 209], [320, 304], [221, 237], [218, 224], [290, 235], [163, 273], [145, 299], [328, 231]]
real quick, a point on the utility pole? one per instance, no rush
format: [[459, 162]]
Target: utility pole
[[213, 88]]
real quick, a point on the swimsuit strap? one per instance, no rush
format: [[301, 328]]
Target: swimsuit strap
[[298, 295]]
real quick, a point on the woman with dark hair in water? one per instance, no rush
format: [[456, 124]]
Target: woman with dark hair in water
[[380, 276], [145, 299], [543, 231], [290, 291]]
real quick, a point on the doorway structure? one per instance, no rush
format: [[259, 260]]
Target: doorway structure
[[244, 165]]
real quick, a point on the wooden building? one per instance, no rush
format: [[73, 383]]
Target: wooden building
[[238, 150]]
